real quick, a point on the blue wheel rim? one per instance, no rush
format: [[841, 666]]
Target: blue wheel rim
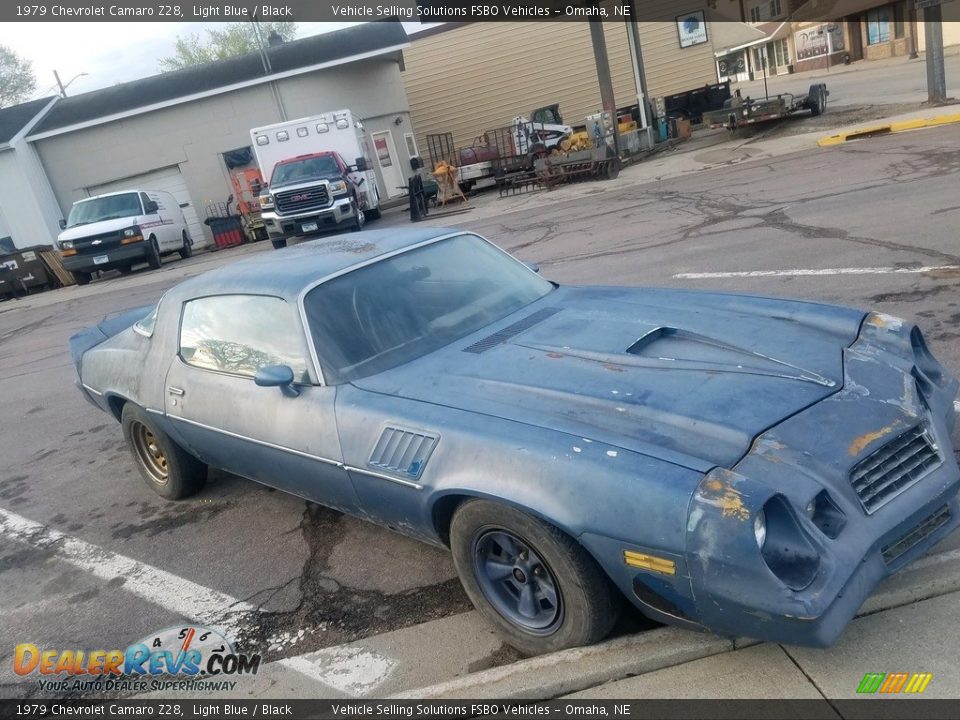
[[517, 582]]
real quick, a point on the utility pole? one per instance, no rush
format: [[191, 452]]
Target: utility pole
[[603, 77], [936, 72], [639, 74], [63, 90]]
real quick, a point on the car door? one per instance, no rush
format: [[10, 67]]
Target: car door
[[282, 439], [152, 222]]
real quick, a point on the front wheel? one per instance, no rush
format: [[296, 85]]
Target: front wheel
[[167, 468], [153, 254], [359, 219], [537, 585]]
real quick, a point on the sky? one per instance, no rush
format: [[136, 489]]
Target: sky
[[109, 52]]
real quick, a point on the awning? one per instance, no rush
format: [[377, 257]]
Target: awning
[[832, 10], [768, 32]]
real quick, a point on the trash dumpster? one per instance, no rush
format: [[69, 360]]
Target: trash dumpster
[[24, 272]]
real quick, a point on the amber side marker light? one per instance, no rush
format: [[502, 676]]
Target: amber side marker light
[[649, 562]]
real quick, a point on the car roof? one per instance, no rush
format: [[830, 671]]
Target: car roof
[[109, 194], [285, 273]]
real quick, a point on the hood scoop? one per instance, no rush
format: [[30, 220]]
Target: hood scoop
[[673, 345]]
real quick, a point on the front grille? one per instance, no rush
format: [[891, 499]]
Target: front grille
[[913, 538], [303, 200], [97, 244], [893, 468]]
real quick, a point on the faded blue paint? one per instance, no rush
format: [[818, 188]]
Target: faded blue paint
[[660, 421]]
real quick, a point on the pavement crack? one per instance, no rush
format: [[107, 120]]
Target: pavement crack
[[813, 682]]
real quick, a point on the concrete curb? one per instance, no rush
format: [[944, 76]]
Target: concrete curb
[[888, 128], [569, 671]]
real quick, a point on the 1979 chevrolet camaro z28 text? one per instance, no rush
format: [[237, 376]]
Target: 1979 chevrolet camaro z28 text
[[748, 465]]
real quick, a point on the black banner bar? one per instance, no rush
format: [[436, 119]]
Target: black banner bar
[[422, 11], [868, 707]]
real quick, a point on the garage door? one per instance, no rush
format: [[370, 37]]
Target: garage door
[[169, 179]]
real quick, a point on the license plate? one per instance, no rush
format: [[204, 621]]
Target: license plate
[[309, 227], [101, 260]]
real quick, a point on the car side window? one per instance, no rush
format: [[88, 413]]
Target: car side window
[[239, 334], [144, 200]]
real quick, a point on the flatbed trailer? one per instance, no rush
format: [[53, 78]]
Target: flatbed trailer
[[739, 113]]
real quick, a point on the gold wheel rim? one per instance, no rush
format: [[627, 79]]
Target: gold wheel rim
[[149, 453]]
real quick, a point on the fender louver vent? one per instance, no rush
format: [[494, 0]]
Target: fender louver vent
[[402, 452], [509, 331]]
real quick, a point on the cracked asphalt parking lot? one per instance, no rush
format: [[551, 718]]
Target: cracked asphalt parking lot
[[308, 577]]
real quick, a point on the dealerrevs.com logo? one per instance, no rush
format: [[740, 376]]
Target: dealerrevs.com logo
[[178, 658]]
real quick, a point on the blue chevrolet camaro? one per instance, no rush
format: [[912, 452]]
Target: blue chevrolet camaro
[[747, 465]]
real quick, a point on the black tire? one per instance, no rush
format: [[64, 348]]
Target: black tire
[[153, 254], [82, 278], [588, 605], [167, 468], [374, 213], [125, 269], [279, 244], [612, 170], [816, 99], [186, 249]]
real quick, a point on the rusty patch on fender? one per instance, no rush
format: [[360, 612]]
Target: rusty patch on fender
[[857, 446], [612, 368], [728, 499], [554, 355]]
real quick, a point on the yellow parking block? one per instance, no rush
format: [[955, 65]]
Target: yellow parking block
[[889, 128]]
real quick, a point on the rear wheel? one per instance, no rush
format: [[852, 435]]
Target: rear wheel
[[82, 278], [186, 248], [125, 269], [279, 244], [153, 254], [537, 585], [167, 468]]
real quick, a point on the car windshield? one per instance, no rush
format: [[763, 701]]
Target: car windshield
[[104, 208], [302, 170], [401, 308]]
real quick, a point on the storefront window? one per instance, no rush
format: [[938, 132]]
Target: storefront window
[[878, 25], [781, 52]]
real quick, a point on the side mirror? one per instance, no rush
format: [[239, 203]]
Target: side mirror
[[533, 266], [151, 207], [63, 224], [280, 376], [361, 164]]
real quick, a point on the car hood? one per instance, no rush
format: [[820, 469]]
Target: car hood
[[296, 185], [98, 228], [688, 377]]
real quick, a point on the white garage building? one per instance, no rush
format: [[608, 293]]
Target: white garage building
[[172, 131]]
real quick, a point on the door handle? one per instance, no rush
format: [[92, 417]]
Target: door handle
[[175, 390]]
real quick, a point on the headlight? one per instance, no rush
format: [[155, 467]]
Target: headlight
[[266, 202], [760, 528], [66, 244], [131, 235], [338, 187]]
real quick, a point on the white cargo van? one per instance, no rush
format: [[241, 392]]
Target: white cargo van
[[121, 229]]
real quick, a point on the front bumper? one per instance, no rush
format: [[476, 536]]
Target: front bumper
[[340, 213], [117, 256], [888, 392]]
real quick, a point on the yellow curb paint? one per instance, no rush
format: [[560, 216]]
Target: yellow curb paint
[[895, 127]]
